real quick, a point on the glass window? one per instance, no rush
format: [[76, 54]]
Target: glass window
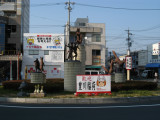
[[46, 52], [33, 52], [13, 28], [96, 52], [154, 56], [96, 38]]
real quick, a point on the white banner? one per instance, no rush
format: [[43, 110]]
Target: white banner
[[128, 63], [93, 83], [43, 41]]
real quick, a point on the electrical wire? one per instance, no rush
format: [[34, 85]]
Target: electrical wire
[[88, 5]]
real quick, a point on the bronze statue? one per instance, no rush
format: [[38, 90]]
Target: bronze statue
[[41, 64], [70, 56], [36, 64], [116, 61], [79, 36], [75, 47]]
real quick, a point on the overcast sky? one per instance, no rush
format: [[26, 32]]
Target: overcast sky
[[142, 17]]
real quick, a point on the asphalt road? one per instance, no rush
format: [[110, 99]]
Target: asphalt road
[[138, 111]]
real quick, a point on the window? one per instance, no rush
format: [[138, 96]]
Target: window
[[46, 52], [96, 38], [13, 28], [154, 56], [96, 52], [9, 0], [82, 24], [33, 52]]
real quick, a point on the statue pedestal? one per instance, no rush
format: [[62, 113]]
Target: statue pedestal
[[38, 77], [71, 69], [120, 78], [37, 95]]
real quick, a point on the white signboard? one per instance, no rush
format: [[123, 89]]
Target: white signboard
[[93, 84], [128, 63], [44, 41], [51, 71]]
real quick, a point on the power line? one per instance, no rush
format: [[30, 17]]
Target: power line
[[87, 5]]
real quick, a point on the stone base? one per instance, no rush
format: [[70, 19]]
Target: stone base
[[37, 95]]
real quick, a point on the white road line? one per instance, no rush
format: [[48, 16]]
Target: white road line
[[98, 107]]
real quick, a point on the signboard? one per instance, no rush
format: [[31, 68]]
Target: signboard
[[93, 84], [51, 71], [128, 63], [44, 41]]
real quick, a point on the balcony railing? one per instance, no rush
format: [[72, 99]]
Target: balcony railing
[[8, 6]]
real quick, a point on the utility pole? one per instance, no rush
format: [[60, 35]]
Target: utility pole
[[69, 10], [129, 42]]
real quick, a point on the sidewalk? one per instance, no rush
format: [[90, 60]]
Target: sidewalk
[[79, 100]]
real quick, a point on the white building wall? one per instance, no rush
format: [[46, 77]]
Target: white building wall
[[154, 50], [142, 57]]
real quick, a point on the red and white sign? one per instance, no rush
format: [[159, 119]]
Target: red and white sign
[[128, 63], [93, 84]]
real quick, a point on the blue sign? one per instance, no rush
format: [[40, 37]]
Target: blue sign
[[2, 37]]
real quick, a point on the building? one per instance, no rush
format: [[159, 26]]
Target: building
[[16, 15], [48, 46], [154, 57], [142, 60], [94, 41]]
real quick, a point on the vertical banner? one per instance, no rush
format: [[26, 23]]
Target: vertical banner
[[128, 63], [93, 84]]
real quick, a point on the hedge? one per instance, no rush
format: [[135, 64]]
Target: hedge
[[51, 85], [134, 85], [56, 85]]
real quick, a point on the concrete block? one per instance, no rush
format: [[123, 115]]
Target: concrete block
[[96, 101], [83, 101], [31, 100], [21, 100], [69, 101], [56, 101], [43, 100], [10, 99], [3, 99], [113, 100], [155, 98], [37, 95], [132, 99], [144, 99]]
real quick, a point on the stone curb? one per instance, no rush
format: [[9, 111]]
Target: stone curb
[[79, 100]]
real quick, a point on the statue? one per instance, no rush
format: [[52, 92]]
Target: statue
[[75, 47], [70, 57], [79, 36], [41, 64], [37, 65], [116, 62]]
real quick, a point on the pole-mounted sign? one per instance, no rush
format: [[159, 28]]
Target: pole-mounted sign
[[128, 63]]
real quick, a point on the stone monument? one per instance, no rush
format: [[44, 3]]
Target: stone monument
[[75, 63], [38, 78]]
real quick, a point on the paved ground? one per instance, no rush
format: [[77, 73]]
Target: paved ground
[[139, 111]]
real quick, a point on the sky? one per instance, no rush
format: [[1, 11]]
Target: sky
[[141, 17]]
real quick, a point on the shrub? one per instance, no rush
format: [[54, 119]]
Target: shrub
[[57, 84], [133, 85], [51, 85]]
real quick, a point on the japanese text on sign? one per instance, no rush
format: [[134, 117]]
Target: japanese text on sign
[[128, 63], [93, 83]]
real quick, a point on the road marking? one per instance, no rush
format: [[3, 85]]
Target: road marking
[[95, 107]]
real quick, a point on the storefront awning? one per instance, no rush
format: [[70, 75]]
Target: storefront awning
[[153, 65], [93, 66]]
